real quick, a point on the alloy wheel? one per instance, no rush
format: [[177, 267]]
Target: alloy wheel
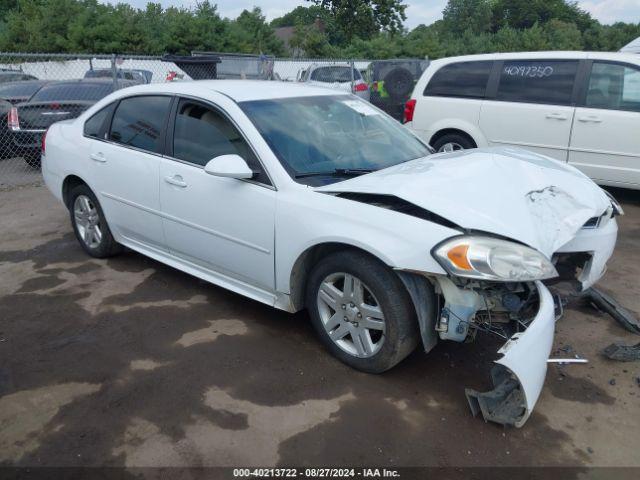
[[87, 221], [351, 315]]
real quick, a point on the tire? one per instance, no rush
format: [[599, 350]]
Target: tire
[[392, 339], [458, 141], [399, 83], [87, 218]]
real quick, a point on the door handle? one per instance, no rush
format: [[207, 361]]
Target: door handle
[[98, 157], [176, 180], [557, 116], [590, 119]]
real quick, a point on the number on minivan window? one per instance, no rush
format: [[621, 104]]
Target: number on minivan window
[[538, 81]]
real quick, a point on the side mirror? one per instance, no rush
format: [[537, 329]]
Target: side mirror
[[230, 166]]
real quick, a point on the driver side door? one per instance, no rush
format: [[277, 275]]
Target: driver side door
[[223, 226]]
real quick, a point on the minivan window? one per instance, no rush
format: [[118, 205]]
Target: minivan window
[[614, 86], [138, 122], [464, 79], [201, 134], [96, 125], [538, 81]]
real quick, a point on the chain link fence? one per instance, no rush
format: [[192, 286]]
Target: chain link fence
[[37, 90]]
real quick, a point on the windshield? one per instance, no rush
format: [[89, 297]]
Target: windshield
[[323, 139], [73, 91], [334, 74]]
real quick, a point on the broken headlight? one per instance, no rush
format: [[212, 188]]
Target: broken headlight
[[488, 258]]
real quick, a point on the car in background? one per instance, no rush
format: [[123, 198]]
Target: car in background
[[582, 108], [12, 93], [135, 75], [392, 81], [14, 76], [16, 92], [56, 101], [338, 76]]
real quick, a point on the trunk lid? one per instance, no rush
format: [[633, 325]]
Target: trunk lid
[[40, 116]]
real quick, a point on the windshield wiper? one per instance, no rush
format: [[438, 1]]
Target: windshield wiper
[[338, 172]]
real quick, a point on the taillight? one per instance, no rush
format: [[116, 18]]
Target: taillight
[[43, 141], [409, 108], [360, 87], [13, 122]]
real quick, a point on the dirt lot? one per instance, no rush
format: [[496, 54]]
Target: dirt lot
[[129, 362]]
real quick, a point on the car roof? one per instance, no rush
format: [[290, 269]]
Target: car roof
[[238, 90], [550, 55]]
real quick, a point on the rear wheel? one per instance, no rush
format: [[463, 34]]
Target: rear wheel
[[90, 225], [452, 142], [361, 311]]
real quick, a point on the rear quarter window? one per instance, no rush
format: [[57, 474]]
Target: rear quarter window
[[97, 125], [463, 79]]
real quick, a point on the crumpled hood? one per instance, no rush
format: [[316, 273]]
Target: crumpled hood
[[505, 191]]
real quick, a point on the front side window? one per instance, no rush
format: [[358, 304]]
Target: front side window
[[465, 80], [139, 121], [538, 81], [201, 133], [614, 86], [321, 139], [96, 126]]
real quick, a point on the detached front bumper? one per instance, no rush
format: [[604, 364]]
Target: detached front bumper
[[519, 375]]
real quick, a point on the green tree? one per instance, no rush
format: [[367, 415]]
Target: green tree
[[462, 15], [364, 18]]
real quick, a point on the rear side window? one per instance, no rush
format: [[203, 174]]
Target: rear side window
[[614, 86], [201, 133], [465, 79], [538, 81], [97, 125], [139, 122]]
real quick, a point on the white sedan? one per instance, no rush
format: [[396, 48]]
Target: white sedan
[[303, 197]]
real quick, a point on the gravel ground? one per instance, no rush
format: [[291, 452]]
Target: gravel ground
[[127, 362]]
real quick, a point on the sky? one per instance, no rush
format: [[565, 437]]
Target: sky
[[418, 11]]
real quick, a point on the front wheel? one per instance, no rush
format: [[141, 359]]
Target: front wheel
[[452, 142], [361, 311]]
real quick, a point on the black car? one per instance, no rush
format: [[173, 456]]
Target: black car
[[17, 92], [56, 101]]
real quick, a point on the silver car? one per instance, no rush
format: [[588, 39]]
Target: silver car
[[338, 76]]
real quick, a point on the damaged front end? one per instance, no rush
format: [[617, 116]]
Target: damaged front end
[[522, 314]]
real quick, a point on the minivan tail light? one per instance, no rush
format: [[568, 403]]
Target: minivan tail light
[[360, 87], [13, 122], [409, 108]]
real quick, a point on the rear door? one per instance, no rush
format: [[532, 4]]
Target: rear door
[[605, 143], [126, 166], [532, 106]]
